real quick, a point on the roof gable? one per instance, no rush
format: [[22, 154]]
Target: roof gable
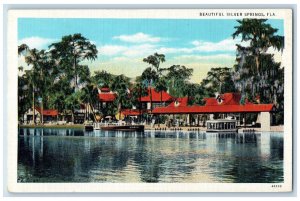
[[157, 96], [224, 99], [107, 97]]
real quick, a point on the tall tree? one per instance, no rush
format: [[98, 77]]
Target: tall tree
[[102, 78], [155, 60], [72, 102], [39, 75], [149, 76], [257, 75], [191, 91], [90, 98], [260, 35], [178, 76], [160, 86], [139, 90], [70, 51], [120, 85], [219, 80]]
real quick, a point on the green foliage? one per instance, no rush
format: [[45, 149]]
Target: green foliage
[[69, 52], [55, 73], [121, 85], [59, 78], [102, 78], [257, 75], [155, 60], [218, 80], [178, 76]]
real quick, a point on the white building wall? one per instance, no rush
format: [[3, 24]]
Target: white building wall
[[265, 119]]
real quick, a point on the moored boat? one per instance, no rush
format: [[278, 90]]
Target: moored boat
[[118, 127], [88, 126], [138, 128], [221, 125]]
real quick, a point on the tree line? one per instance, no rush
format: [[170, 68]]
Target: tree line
[[58, 79]]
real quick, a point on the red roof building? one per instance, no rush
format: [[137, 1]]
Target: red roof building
[[157, 96], [105, 95], [224, 99], [47, 112], [226, 103]]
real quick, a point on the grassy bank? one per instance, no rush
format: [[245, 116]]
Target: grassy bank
[[79, 126]]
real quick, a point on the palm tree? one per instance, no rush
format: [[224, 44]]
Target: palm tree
[[89, 97], [150, 76], [72, 102], [139, 90], [155, 60], [32, 58], [160, 86], [70, 51], [121, 85], [41, 70]]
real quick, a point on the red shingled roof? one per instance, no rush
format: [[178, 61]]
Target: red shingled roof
[[48, 112], [227, 99], [214, 109], [156, 96], [179, 102], [107, 97], [230, 104]]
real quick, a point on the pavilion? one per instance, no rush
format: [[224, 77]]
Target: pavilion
[[228, 103]]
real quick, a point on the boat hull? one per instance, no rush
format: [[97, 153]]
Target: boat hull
[[222, 131], [138, 128], [88, 128]]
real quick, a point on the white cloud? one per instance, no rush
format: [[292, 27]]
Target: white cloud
[[144, 49], [224, 45], [167, 50], [211, 58], [128, 51], [140, 50], [110, 50], [138, 38], [36, 42]]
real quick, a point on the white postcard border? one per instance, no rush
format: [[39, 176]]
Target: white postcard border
[[12, 144]]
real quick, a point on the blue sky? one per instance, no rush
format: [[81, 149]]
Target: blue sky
[[123, 43]]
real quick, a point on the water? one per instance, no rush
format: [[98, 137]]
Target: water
[[70, 155]]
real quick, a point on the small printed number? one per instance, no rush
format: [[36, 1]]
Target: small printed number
[[276, 186]]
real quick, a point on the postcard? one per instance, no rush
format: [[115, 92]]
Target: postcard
[[149, 100]]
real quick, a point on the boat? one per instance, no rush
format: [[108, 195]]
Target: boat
[[221, 125], [138, 128], [88, 126], [118, 127]]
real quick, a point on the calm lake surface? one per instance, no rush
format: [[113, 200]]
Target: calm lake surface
[[70, 155]]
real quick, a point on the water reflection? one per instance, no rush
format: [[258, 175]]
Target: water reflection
[[70, 155]]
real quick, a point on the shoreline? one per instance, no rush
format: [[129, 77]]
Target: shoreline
[[156, 128], [53, 126]]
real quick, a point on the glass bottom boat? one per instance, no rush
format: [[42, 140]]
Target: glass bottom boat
[[221, 125]]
